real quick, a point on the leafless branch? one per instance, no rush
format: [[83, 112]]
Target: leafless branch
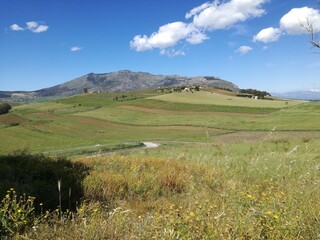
[[313, 38]]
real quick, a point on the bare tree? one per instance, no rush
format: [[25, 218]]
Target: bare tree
[[308, 25], [313, 37]]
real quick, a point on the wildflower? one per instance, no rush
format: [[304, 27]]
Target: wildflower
[[192, 214], [139, 217], [269, 212], [275, 216], [250, 196]]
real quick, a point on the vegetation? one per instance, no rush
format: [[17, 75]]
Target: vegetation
[[4, 108], [37, 176], [255, 92], [196, 192], [220, 171]]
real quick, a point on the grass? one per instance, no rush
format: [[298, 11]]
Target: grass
[[264, 190], [193, 107], [91, 119], [220, 171], [221, 99]]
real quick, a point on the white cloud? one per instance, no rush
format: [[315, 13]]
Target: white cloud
[[31, 26], [172, 52], [16, 27], [244, 50], [264, 48], [36, 28], [196, 37], [75, 49], [197, 10], [41, 28], [224, 15], [294, 21], [209, 16], [167, 36], [268, 35]]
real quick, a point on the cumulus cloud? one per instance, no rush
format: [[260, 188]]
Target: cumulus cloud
[[196, 37], [75, 49], [31, 26], [224, 15], [167, 36], [197, 10], [294, 21], [207, 17], [268, 35], [36, 27], [16, 27], [244, 50]]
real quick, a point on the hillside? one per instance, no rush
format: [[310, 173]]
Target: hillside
[[121, 81], [303, 95]]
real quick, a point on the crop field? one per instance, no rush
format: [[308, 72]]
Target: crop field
[[224, 169], [221, 99], [88, 120]]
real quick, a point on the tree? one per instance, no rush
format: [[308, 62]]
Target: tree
[[313, 38], [85, 90], [4, 108]]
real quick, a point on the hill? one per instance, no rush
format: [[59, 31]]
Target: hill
[[302, 95], [121, 81]]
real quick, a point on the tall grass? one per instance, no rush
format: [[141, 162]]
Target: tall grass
[[272, 195]]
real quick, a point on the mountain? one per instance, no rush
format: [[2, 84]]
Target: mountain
[[300, 95], [122, 81]]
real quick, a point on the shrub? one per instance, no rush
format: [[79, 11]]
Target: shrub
[[4, 108], [37, 175]]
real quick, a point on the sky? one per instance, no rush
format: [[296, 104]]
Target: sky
[[253, 43]]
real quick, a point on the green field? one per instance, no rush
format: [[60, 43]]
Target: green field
[[226, 168], [220, 99], [91, 119]]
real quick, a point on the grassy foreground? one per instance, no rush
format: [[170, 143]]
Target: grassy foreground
[[267, 191]]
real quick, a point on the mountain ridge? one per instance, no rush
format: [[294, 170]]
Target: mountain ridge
[[121, 81], [300, 95]]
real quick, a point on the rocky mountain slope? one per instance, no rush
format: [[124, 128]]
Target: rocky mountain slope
[[122, 81]]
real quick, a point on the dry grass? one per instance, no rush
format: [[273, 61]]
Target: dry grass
[[270, 195]]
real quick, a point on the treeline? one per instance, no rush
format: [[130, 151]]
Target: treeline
[[4, 108], [255, 92]]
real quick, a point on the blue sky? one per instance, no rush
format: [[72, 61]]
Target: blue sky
[[252, 43]]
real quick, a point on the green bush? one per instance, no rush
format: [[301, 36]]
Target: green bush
[[37, 175], [4, 108]]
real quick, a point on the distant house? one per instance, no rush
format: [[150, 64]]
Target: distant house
[[186, 89]]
